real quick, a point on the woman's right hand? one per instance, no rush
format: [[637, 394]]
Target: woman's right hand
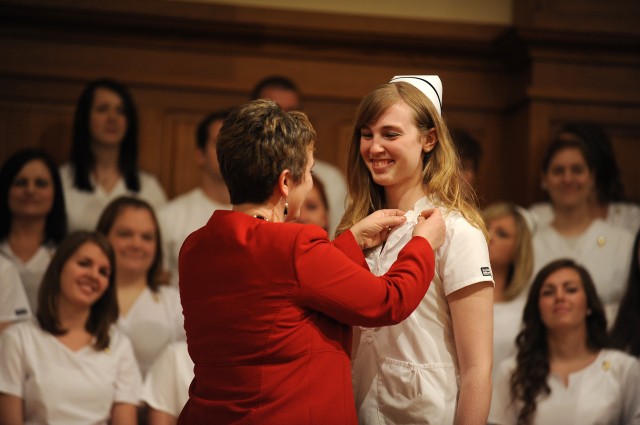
[[431, 227]]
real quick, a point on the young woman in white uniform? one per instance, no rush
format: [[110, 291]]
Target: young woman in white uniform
[[562, 373], [150, 312], [436, 365], [14, 306], [71, 366], [104, 155], [32, 215], [568, 172]]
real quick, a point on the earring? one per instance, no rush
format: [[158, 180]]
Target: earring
[[286, 209]]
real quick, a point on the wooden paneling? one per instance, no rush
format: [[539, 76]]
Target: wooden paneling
[[507, 86]]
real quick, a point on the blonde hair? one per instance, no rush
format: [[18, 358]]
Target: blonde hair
[[441, 172], [522, 266]]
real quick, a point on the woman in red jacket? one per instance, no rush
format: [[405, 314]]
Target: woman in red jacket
[[268, 303]]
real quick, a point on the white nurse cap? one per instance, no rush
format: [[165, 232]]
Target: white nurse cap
[[430, 85]]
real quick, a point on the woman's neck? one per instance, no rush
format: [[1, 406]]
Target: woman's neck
[[574, 221], [73, 318], [270, 211], [128, 289], [403, 199], [500, 275], [568, 344], [106, 170], [26, 236]]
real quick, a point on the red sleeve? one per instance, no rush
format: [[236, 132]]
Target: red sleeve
[[346, 243], [333, 284]]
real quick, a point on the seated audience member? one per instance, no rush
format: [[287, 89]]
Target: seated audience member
[[287, 94], [511, 256], [625, 333], [150, 311], [166, 387], [104, 155], [192, 210], [32, 215], [563, 373], [607, 200], [470, 153], [70, 366], [315, 209], [569, 174], [14, 305]]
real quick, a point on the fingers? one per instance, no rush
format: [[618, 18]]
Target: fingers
[[430, 212], [392, 212]]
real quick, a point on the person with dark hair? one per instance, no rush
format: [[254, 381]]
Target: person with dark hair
[[192, 210], [150, 313], [563, 372], [269, 303], [71, 365], [607, 201], [104, 155], [286, 94], [315, 209], [625, 333], [569, 174], [436, 364], [33, 220], [470, 153]]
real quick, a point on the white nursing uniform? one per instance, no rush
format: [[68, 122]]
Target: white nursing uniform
[[178, 219], [604, 250], [14, 305], [507, 320], [84, 208], [335, 187], [408, 373], [154, 321], [65, 387], [620, 214], [607, 392], [166, 387], [32, 271]]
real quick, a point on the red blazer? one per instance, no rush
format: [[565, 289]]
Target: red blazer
[[268, 310]]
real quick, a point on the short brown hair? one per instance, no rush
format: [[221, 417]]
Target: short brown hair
[[256, 143]]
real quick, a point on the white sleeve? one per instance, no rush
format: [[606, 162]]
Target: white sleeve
[[503, 411], [160, 386], [631, 395], [464, 259], [128, 382], [151, 190], [12, 366], [14, 305]]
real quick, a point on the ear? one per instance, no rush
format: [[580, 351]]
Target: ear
[[285, 183], [429, 140]]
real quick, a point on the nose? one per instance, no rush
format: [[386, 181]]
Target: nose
[[376, 146]]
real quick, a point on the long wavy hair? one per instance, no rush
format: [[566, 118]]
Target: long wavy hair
[[521, 267], [104, 312], [82, 158], [56, 223], [529, 380], [625, 334], [441, 172]]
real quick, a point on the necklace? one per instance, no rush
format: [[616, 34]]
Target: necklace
[[261, 217]]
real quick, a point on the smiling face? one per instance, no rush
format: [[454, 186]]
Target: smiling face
[[502, 240], [568, 179], [107, 118], [85, 276], [31, 193], [563, 301], [133, 237], [393, 149]]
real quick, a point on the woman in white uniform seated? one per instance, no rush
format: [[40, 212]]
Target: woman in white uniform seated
[[33, 219], [563, 373], [103, 163], [150, 311], [71, 366]]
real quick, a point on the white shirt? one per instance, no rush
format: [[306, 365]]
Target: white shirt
[[84, 208], [32, 271], [507, 320], [178, 219], [14, 305], [620, 214], [335, 187], [154, 321], [166, 387], [604, 250], [607, 392], [408, 373], [61, 386]]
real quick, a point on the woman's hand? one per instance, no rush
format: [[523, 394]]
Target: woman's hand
[[431, 227], [375, 228]]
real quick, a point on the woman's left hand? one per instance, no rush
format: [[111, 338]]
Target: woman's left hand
[[375, 228]]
